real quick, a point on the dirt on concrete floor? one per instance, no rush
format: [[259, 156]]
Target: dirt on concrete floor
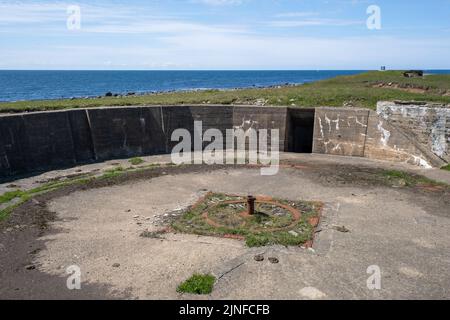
[[97, 226]]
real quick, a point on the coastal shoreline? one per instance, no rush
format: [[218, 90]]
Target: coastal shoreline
[[361, 90]]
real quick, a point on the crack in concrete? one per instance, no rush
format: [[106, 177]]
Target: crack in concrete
[[231, 270]]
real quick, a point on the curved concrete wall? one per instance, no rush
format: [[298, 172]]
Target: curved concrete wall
[[48, 140], [364, 133]]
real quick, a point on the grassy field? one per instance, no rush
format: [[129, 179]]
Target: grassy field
[[363, 90]]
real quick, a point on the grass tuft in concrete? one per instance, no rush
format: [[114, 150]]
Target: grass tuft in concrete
[[198, 284], [114, 172], [447, 167], [136, 161]]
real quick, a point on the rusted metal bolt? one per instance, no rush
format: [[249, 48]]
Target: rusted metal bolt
[[251, 205]]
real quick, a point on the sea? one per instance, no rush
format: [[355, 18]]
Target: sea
[[37, 85]]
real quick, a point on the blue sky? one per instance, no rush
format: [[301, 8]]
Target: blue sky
[[225, 34]]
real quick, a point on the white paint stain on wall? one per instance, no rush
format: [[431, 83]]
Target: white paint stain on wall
[[385, 134], [439, 133], [321, 128], [358, 122], [247, 125], [328, 121], [336, 122], [422, 162], [428, 122]]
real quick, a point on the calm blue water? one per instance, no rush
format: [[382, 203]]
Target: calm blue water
[[33, 85]]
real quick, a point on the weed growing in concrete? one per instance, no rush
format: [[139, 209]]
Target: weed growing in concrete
[[114, 172], [136, 161], [198, 284]]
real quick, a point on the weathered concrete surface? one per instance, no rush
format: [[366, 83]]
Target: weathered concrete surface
[[387, 142], [340, 131], [397, 230], [426, 123], [364, 133], [124, 132], [246, 118], [49, 140], [99, 168]]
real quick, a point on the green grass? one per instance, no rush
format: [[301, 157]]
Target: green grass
[[395, 177], [358, 90], [25, 195], [8, 196], [198, 284], [257, 240], [114, 172], [136, 161], [447, 167]]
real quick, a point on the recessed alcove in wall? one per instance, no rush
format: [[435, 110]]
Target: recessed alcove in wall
[[300, 130]]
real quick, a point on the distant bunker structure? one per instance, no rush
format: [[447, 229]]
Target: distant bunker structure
[[414, 133]]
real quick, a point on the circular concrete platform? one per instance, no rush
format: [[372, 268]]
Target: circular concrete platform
[[367, 221]]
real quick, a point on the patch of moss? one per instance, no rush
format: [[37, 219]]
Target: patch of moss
[[198, 284], [447, 167]]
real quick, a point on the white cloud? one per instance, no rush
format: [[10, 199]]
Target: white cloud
[[235, 51], [139, 38], [314, 22], [160, 26], [19, 17], [24, 13], [296, 14], [219, 2]]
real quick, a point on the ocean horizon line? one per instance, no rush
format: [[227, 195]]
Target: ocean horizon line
[[224, 70]]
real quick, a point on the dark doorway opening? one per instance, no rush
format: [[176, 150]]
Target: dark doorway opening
[[300, 130]]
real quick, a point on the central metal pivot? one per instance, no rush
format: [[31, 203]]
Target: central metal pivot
[[251, 205]]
